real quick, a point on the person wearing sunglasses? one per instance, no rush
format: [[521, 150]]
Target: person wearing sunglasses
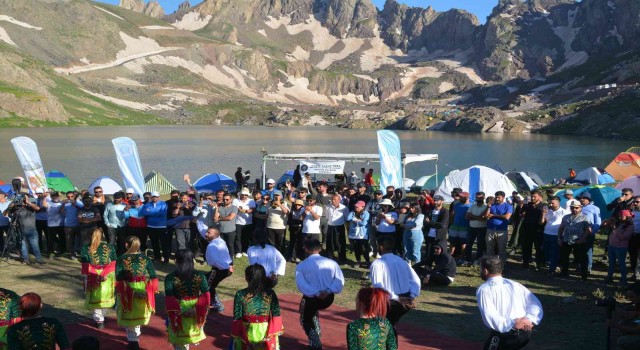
[[572, 237], [623, 202]]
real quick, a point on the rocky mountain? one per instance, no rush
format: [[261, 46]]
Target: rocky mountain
[[308, 62]]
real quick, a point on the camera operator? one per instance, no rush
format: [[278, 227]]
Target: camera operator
[[4, 220], [628, 321], [24, 213]]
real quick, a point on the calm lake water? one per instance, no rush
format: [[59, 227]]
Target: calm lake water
[[86, 153]]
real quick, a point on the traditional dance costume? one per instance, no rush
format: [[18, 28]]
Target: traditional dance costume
[[371, 334], [39, 333], [9, 313], [257, 324], [187, 303], [99, 269]]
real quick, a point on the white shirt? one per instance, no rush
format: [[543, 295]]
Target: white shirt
[[54, 218], [244, 218], [554, 219], [218, 254], [393, 274], [318, 274], [501, 301], [269, 257], [337, 216], [311, 225], [384, 226]]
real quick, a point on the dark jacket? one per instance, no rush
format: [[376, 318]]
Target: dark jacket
[[441, 223], [443, 263], [617, 205]]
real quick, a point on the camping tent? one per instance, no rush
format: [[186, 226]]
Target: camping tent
[[593, 176], [154, 181], [59, 182], [286, 176], [522, 181], [214, 182], [632, 182], [426, 182], [407, 183], [475, 179], [537, 179], [624, 165], [600, 195], [109, 185]]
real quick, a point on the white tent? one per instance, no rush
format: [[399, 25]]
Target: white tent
[[474, 179], [407, 183], [109, 185], [593, 176]]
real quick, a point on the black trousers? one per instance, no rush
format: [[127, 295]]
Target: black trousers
[[398, 238], [117, 236], [295, 243], [160, 239], [531, 238], [3, 230], [41, 228], [229, 238], [337, 241], [275, 237], [396, 311], [361, 249], [428, 246], [435, 278], [507, 341], [215, 277], [309, 317], [479, 234], [55, 237], [579, 254]]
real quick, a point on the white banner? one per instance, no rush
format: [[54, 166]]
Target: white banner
[[390, 159], [129, 162], [27, 152], [333, 167]]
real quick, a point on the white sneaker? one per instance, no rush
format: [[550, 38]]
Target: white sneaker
[[244, 254], [238, 255]]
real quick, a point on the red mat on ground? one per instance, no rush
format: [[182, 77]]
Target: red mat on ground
[[333, 322]]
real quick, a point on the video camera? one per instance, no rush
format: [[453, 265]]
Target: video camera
[[20, 195]]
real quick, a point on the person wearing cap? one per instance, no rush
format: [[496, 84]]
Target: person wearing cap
[[311, 219], [69, 210], [41, 221], [361, 195], [373, 207], [271, 183], [619, 245], [155, 213], [593, 213], [386, 219], [276, 220], [568, 195], [127, 195], [436, 224], [497, 226], [352, 179], [115, 217], [225, 216], [359, 222], [459, 228], [393, 274], [323, 199], [319, 279], [244, 221], [295, 251], [88, 218], [532, 229], [552, 218], [572, 237]]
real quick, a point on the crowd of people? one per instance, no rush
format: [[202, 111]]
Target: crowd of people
[[406, 244]]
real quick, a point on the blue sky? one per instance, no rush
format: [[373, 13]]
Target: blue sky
[[481, 8]]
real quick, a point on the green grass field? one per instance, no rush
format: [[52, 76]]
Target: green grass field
[[571, 319]]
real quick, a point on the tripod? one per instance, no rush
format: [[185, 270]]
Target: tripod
[[14, 237]]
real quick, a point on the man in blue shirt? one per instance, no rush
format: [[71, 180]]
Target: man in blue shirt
[[460, 227], [497, 224], [156, 214], [593, 213]]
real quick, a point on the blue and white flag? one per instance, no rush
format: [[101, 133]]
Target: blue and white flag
[[129, 162], [29, 157], [390, 159]]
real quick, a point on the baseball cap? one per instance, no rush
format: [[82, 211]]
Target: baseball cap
[[129, 190], [438, 198], [586, 195], [378, 192], [135, 197], [39, 190], [464, 194], [271, 181], [155, 194], [576, 204], [310, 197], [568, 192], [277, 193], [360, 204], [361, 184]]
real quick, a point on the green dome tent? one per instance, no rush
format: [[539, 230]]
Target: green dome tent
[[59, 181], [155, 181]]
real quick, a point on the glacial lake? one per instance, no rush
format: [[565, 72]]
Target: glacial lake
[[85, 153]]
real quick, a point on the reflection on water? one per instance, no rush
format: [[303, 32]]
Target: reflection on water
[[86, 153]]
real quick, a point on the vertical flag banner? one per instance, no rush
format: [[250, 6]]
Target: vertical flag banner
[[390, 159], [129, 162], [27, 152]]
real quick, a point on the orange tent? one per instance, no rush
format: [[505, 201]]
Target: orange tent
[[624, 165]]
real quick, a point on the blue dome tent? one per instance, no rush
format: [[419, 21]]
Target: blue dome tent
[[214, 182]]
